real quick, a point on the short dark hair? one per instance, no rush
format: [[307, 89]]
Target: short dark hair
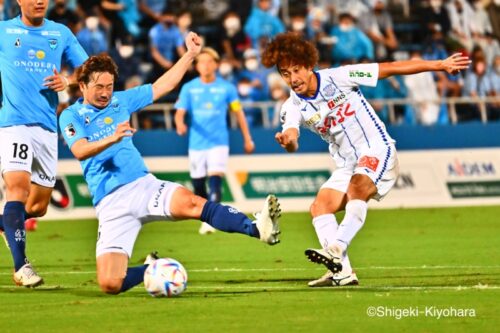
[[101, 63]]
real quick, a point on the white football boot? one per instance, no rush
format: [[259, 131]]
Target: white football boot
[[331, 257], [330, 279], [151, 257], [267, 220], [26, 276], [206, 229]]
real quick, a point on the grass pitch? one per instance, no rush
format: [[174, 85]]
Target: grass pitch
[[420, 270]]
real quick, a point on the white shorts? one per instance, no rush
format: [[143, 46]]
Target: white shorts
[[31, 149], [379, 163], [122, 213], [204, 162]]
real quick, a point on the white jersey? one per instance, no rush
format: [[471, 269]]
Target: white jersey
[[339, 113]]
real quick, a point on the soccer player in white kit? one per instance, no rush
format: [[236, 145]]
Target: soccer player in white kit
[[330, 103]]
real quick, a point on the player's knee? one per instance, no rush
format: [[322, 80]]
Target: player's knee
[[318, 208], [111, 286], [361, 187], [36, 210]]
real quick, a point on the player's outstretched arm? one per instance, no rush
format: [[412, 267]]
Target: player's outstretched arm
[[170, 79], [453, 65], [83, 149], [288, 139]]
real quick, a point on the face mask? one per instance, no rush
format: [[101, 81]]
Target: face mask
[[225, 69], [92, 22], [232, 25], [126, 51], [252, 64], [244, 89], [345, 27], [277, 94], [298, 25]]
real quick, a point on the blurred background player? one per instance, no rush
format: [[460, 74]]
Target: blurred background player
[[124, 193], [30, 64], [330, 103], [206, 100]]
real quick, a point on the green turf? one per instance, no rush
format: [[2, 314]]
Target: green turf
[[405, 259]]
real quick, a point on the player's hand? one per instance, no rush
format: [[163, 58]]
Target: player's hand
[[56, 82], [123, 130], [181, 129], [249, 146], [455, 63], [193, 43]]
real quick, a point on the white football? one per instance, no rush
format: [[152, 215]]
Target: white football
[[165, 277]]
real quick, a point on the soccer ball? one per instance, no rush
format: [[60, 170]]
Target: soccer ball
[[165, 277]]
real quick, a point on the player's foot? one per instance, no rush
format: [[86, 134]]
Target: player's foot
[[31, 224], [26, 276], [206, 229], [336, 280], [151, 257], [2, 233], [331, 257], [267, 220]]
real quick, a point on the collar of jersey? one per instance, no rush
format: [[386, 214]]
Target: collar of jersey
[[21, 23], [317, 88]]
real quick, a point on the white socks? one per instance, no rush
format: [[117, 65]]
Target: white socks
[[326, 230], [355, 215]]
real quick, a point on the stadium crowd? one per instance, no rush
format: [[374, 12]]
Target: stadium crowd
[[145, 37]]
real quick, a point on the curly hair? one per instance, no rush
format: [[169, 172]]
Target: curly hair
[[101, 63], [290, 49]]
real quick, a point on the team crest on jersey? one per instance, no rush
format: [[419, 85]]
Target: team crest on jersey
[[70, 131], [18, 42], [53, 43], [329, 90]]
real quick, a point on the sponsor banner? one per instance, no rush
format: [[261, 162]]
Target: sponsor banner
[[437, 178]]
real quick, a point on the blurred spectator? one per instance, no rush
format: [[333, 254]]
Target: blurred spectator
[[234, 40], [166, 43], [62, 14], [113, 22], [151, 12], [262, 25], [493, 9], [481, 81], [422, 89], [184, 22], [435, 18], [317, 31], [87, 8], [227, 71], [279, 92], [128, 63], [491, 48], [377, 24], [351, 44], [92, 38], [256, 74], [130, 16], [481, 24], [461, 15], [274, 7]]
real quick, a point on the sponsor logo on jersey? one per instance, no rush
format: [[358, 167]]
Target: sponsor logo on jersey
[[84, 110], [31, 54], [40, 55], [35, 66], [53, 43], [70, 131], [18, 42], [359, 74], [337, 100], [368, 162], [16, 31], [108, 120], [314, 119], [51, 33]]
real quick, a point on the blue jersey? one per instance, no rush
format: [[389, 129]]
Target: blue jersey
[[27, 56], [119, 164], [207, 105]]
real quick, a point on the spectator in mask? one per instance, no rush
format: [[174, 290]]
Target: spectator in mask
[[92, 38], [235, 41]]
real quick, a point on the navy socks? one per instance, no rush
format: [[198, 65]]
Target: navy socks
[[228, 219], [200, 187], [215, 188], [13, 224], [135, 275]]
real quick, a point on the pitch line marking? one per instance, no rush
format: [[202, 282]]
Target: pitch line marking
[[226, 270]]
